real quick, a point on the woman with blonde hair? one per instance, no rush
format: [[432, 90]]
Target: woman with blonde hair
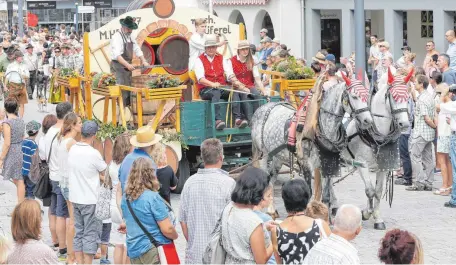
[[72, 125], [443, 141], [146, 213], [26, 230], [165, 174]]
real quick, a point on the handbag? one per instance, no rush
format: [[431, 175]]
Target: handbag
[[167, 253], [215, 253], [43, 187], [103, 207]]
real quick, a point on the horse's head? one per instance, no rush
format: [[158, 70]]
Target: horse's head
[[397, 96], [355, 101]]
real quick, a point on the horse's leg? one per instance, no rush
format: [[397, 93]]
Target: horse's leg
[[370, 192], [379, 224], [273, 170]]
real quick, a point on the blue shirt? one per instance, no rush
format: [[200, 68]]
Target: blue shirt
[[28, 150], [266, 218], [125, 167], [265, 55], [452, 53], [150, 209], [449, 76]]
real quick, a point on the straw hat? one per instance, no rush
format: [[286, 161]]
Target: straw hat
[[276, 40], [211, 41], [243, 44], [442, 88], [145, 136], [320, 57]]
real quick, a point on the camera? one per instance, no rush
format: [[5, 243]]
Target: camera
[[452, 89]]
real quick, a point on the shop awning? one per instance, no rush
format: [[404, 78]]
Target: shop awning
[[235, 2]]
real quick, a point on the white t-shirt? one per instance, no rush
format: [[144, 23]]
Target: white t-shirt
[[84, 166], [42, 148], [54, 160]]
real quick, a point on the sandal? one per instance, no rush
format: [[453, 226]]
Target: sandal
[[443, 191]]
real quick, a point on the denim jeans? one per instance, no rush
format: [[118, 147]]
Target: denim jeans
[[29, 186], [405, 156], [453, 165]]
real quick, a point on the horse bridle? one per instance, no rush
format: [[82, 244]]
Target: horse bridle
[[393, 110], [355, 112]]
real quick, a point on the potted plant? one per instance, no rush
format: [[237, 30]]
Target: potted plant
[[173, 139], [68, 77]]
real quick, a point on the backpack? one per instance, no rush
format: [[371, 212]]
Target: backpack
[[34, 174]]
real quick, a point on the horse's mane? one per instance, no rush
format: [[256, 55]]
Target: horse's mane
[[310, 126]]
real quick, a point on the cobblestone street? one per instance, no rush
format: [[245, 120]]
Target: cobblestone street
[[419, 212]]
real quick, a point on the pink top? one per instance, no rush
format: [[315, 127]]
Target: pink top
[[32, 252]]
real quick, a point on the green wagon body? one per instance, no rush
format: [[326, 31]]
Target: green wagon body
[[198, 124]]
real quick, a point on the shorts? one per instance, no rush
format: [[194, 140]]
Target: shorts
[[59, 205], [443, 144], [150, 257], [106, 233], [66, 193], [87, 229]]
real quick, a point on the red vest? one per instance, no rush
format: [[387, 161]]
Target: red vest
[[242, 73], [213, 71]]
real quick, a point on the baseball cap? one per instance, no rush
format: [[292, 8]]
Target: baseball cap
[[266, 39], [330, 57], [89, 128], [32, 127]]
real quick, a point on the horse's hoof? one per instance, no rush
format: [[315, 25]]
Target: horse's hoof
[[366, 215], [380, 226]]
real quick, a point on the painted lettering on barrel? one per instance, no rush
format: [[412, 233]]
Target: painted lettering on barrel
[[212, 28]]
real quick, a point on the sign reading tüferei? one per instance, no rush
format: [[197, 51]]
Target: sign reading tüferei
[[98, 3], [41, 5]]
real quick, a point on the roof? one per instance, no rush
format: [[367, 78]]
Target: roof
[[236, 2]]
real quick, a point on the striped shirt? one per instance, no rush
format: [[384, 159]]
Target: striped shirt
[[28, 149], [332, 250]]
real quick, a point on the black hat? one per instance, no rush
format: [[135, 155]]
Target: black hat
[[10, 50], [29, 46], [128, 22]]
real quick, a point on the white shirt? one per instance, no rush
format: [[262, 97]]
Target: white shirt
[[117, 46], [255, 71], [16, 72], [31, 61], [332, 250], [449, 108], [196, 44], [84, 166], [199, 67], [54, 160], [42, 148]]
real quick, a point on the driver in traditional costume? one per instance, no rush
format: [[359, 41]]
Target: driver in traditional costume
[[212, 71], [122, 48], [245, 68]]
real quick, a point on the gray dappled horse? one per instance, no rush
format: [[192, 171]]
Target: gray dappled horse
[[377, 147], [270, 124]]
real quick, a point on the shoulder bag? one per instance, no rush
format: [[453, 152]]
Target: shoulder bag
[[215, 253], [103, 207], [167, 253], [43, 186]]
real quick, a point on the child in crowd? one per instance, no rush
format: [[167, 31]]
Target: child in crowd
[[29, 147], [105, 237], [165, 173], [266, 218]]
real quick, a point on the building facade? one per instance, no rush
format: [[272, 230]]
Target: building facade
[[309, 25]]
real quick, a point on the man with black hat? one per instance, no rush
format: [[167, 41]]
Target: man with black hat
[[122, 48], [31, 61]]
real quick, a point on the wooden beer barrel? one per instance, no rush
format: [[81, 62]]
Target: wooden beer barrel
[[149, 108], [174, 50], [172, 158], [149, 55]]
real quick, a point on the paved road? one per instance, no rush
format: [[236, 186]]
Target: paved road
[[420, 212]]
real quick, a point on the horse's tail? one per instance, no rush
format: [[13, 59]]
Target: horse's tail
[[256, 156], [310, 127]]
